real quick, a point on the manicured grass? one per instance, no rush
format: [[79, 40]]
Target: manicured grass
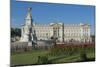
[[27, 57], [31, 57], [74, 58]]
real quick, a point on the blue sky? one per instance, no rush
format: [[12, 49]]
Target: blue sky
[[44, 13]]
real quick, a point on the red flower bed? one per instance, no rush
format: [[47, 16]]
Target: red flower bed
[[74, 46], [60, 49]]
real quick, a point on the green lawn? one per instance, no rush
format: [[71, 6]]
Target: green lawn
[[32, 57], [27, 57]]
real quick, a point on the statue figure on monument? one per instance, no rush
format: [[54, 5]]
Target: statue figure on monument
[[28, 35]]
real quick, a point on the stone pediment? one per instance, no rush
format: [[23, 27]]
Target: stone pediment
[[56, 25]]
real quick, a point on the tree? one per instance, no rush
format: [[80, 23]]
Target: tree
[[15, 32], [93, 38]]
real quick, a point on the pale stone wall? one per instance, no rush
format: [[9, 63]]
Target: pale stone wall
[[42, 31], [72, 31], [78, 32]]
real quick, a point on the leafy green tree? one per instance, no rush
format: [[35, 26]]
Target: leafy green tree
[[15, 32], [93, 37]]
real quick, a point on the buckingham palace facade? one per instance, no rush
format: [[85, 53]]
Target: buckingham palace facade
[[32, 31]]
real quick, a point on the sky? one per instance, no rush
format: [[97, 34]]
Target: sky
[[45, 13]]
